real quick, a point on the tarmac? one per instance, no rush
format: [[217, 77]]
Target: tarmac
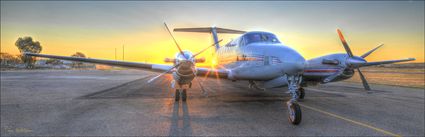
[[122, 103]]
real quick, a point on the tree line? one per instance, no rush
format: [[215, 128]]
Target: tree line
[[27, 44]]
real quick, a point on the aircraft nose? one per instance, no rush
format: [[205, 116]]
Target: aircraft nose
[[293, 64], [292, 61]]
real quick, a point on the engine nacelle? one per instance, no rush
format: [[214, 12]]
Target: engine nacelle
[[183, 79], [200, 60]]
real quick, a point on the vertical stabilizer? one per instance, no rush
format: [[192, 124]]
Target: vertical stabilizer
[[215, 37]]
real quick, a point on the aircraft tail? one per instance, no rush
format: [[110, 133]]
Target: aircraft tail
[[212, 30]]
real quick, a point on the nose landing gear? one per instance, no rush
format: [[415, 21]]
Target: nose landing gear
[[180, 93], [294, 110]]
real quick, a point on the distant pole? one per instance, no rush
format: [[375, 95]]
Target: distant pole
[[123, 52], [115, 53]]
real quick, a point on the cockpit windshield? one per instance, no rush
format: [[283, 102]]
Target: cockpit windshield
[[260, 37]]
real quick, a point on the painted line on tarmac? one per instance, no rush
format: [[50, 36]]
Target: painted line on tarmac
[[352, 121], [324, 91]]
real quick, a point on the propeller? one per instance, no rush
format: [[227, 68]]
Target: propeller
[[181, 51], [351, 60], [163, 73], [203, 91], [355, 62], [194, 55], [175, 41], [187, 58]]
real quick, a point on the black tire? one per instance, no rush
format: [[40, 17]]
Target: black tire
[[295, 118], [302, 93], [184, 95], [177, 95]]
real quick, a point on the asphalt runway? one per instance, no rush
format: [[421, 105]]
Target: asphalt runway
[[122, 103]]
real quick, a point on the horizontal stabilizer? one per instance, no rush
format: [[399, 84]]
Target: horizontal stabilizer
[[209, 30]]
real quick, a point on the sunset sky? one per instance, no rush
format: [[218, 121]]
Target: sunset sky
[[97, 28]]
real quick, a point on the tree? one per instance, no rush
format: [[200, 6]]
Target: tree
[[80, 55], [27, 44], [7, 59]]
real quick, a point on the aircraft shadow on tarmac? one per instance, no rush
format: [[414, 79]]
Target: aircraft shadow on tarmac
[[180, 126], [219, 91]]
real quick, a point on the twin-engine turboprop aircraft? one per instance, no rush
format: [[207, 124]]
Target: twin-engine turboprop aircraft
[[257, 57]]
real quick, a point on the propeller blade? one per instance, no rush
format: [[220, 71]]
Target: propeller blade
[[204, 92], [194, 55], [364, 64], [369, 52], [365, 84], [163, 73], [178, 46], [333, 76], [344, 43], [200, 84]]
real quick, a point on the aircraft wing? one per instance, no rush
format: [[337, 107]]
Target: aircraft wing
[[220, 73], [208, 72], [135, 65]]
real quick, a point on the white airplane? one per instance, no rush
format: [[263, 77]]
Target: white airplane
[[257, 57]]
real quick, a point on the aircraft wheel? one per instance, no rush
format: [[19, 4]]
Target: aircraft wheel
[[301, 93], [294, 111], [177, 95], [184, 95]]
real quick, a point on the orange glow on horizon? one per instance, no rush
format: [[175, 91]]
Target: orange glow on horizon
[[155, 45]]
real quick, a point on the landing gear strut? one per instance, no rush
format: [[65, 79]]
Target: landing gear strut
[[177, 95], [301, 93], [252, 84], [180, 93], [294, 110], [184, 95]]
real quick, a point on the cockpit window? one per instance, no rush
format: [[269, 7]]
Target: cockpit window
[[260, 37]]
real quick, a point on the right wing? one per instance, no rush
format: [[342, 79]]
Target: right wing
[[135, 65], [219, 73]]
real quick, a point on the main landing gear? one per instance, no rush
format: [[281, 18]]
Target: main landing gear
[[294, 109], [180, 93]]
